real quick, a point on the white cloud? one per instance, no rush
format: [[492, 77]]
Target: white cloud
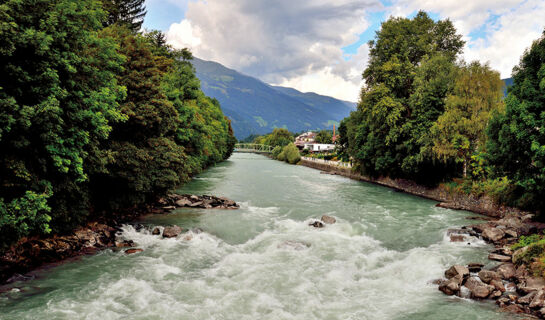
[[516, 24], [299, 43], [286, 41]]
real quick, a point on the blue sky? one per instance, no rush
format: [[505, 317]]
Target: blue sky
[[320, 45]]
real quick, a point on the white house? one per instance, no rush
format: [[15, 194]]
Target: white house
[[319, 147]]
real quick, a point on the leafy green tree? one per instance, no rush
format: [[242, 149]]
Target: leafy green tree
[[279, 137], [58, 102], [128, 13], [406, 80], [145, 159], [516, 144], [460, 130], [324, 136]]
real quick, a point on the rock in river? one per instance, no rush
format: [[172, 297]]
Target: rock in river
[[317, 224], [328, 219], [171, 232], [131, 251]]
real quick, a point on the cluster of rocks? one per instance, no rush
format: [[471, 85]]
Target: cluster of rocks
[[30, 253], [509, 283], [33, 252], [173, 201], [323, 221]]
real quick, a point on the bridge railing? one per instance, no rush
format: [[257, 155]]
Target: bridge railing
[[253, 147]]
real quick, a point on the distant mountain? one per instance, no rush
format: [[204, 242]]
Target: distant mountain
[[508, 82], [255, 107]]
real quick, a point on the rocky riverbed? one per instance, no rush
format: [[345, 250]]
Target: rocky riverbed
[[31, 253], [509, 283]]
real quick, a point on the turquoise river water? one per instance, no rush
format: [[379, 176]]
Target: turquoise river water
[[264, 261]]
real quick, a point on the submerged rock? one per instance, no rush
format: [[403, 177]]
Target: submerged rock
[[203, 202], [131, 251], [156, 231], [295, 245], [317, 224]]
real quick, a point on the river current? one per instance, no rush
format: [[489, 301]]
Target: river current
[[264, 261]]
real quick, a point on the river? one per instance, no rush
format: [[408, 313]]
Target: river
[[263, 261]]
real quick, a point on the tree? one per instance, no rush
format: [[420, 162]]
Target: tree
[[289, 154], [516, 138], [58, 101], [129, 13], [324, 136], [460, 130], [406, 80], [145, 159], [279, 137]]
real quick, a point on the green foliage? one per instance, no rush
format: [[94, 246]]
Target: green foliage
[[127, 13], [58, 101], [526, 241], [460, 130], [324, 136], [276, 151], [279, 137], [93, 118], [516, 139], [290, 154], [408, 76]]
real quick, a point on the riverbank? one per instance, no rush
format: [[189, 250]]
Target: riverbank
[[446, 198], [32, 253]]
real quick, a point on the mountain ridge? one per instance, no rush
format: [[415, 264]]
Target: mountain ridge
[[256, 107]]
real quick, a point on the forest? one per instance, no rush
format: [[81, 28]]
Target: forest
[[96, 115], [426, 115]]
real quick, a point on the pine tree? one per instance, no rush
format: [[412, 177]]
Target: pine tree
[[129, 13]]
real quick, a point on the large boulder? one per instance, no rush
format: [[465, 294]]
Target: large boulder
[[499, 257], [506, 271], [457, 270], [478, 289], [539, 300], [449, 287], [493, 234], [475, 267], [171, 232], [527, 298], [530, 284], [487, 276]]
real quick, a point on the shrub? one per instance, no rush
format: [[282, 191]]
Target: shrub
[[276, 151], [292, 154]]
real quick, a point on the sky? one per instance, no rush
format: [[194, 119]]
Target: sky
[[321, 45]]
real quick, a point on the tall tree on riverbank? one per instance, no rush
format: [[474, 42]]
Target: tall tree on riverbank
[[58, 100], [516, 147], [461, 129], [145, 161], [383, 127]]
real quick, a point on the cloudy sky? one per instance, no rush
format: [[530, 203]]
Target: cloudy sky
[[321, 45]]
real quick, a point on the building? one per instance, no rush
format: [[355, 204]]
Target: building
[[319, 147], [305, 138]]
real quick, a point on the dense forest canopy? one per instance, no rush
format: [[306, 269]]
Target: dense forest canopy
[[94, 114], [424, 114]]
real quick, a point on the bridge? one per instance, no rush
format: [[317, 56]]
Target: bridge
[[253, 148]]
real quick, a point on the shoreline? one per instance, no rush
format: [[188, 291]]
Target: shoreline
[[21, 261], [446, 198]]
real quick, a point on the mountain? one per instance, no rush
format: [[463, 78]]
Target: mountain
[[255, 107], [508, 82]]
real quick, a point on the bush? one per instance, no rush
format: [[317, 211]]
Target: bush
[[292, 154], [276, 151], [289, 154]]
